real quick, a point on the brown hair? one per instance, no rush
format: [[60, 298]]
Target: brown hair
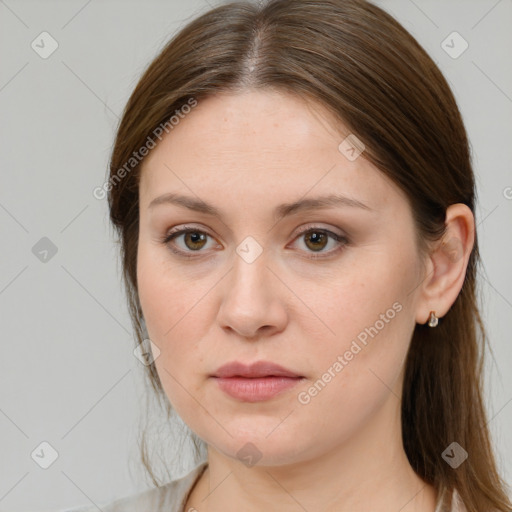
[[363, 66]]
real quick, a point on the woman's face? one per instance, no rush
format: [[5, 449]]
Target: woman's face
[[326, 291]]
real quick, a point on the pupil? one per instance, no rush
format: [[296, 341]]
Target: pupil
[[196, 238], [316, 237]]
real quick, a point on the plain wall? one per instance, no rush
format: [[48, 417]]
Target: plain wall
[[68, 375]]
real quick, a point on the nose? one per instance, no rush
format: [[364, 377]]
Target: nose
[[252, 303]]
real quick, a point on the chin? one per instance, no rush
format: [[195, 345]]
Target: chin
[[260, 449]]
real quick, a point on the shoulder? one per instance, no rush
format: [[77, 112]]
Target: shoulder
[[169, 497], [457, 505], [450, 502]]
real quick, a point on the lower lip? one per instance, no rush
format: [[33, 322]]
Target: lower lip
[[257, 389]]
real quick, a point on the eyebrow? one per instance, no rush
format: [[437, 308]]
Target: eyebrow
[[283, 210]]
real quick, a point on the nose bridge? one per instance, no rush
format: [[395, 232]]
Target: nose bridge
[[249, 263], [251, 299], [250, 276]]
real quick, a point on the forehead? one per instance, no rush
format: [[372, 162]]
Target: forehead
[[261, 144], [253, 123]]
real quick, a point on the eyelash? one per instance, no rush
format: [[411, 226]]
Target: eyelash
[[342, 240]]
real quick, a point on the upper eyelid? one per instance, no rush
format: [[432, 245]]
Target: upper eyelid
[[181, 229]]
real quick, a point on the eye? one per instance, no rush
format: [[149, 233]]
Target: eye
[[194, 240], [317, 239]]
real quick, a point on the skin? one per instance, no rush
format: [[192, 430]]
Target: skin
[[245, 154]]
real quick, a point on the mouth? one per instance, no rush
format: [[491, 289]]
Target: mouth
[[256, 382], [259, 369]]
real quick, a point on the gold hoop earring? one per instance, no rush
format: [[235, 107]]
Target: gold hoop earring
[[433, 320]]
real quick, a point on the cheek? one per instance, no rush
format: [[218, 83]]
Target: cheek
[[167, 304], [175, 309], [362, 302], [355, 374], [166, 295], [369, 312]]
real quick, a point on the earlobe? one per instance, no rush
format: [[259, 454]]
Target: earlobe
[[448, 260]]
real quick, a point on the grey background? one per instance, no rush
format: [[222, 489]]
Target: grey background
[[68, 375]]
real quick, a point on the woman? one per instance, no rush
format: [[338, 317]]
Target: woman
[[295, 200]]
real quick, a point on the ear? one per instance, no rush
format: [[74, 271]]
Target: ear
[[446, 264]]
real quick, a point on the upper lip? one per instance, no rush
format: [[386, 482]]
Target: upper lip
[[254, 370]]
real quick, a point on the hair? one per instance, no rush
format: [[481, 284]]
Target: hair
[[365, 68]]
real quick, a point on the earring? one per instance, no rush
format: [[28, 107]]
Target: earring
[[433, 320]]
